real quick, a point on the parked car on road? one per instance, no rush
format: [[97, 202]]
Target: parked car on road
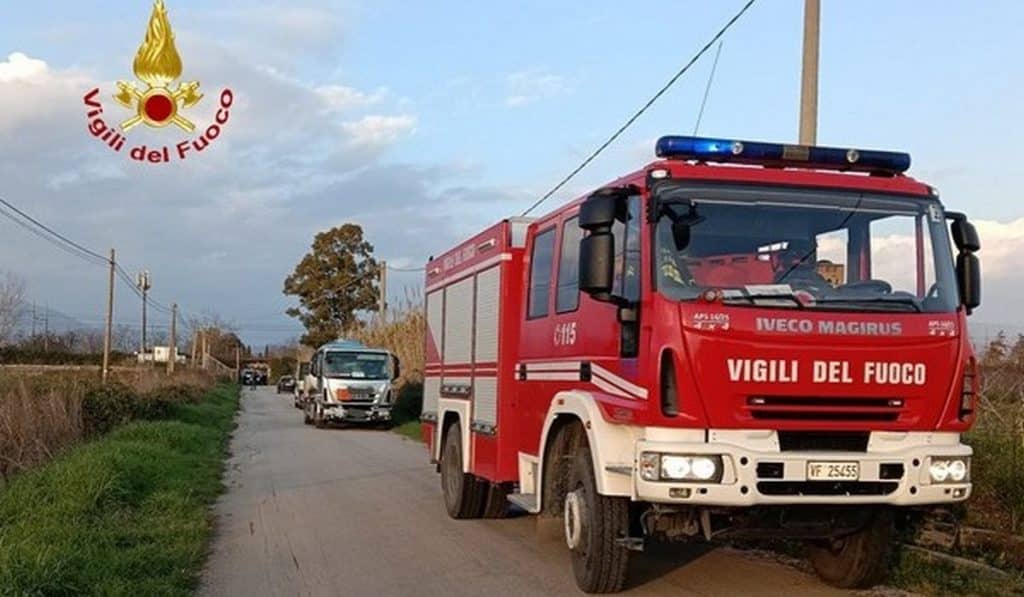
[[285, 384]]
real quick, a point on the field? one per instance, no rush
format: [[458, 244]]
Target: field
[[125, 514], [44, 412]]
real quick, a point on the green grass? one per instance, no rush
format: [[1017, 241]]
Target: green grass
[[914, 572], [126, 514], [410, 429]]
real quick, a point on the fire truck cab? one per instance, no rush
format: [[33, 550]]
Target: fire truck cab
[[741, 339]]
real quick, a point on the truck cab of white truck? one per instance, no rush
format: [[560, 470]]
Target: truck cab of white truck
[[350, 383]]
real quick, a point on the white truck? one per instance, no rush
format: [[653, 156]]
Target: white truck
[[301, 376], [349, 382]]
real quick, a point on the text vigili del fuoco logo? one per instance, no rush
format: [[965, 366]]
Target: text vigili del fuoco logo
[[152, 102]]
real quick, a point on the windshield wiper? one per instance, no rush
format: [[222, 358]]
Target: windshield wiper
[[895, 300], [765, 296]]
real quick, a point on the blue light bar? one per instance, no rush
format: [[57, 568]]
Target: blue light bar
[[779, 155]]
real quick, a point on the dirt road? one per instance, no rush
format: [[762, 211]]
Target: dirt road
[[354, 512]]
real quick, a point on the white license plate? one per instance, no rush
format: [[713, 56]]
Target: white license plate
[[833, 471]]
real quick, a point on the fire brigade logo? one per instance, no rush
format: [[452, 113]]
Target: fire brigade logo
[[158, 99], [158, 65]]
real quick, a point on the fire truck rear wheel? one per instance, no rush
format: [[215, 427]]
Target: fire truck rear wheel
[[495, 505], [857, 561], [464, 494], [593, 525]]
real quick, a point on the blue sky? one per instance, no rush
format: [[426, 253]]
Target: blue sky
[[433, 119]]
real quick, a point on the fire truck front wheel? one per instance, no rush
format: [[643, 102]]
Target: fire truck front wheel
[[464, 494], [594, 523], [857, 561]]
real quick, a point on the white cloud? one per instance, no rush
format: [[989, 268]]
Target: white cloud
[[20, 67], [533, 85], [294, 159], [376, 131], [1002, 244], [341, 98]]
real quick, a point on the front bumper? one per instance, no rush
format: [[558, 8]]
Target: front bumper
[[744, 481], [356, 414]]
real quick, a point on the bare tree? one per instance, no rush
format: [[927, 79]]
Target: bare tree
[[12, 305], [221, 335], [90, 341], [124, 339]]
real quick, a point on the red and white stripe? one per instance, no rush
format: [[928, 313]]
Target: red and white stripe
[[600, 377]]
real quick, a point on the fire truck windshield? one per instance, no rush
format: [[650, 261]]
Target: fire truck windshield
[[356, 365], [812, 250]]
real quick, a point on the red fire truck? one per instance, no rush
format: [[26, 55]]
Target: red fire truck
[[741, 339]]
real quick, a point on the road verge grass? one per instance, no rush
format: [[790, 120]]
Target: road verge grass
[[126, 514], [411, 430]]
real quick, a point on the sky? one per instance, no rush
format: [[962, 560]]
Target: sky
[[425, 121]]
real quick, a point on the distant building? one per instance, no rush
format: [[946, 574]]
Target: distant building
[[161, 354]]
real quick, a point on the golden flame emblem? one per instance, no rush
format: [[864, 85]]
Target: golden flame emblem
[[158, 65]]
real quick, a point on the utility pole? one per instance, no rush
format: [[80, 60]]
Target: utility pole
[[143, 283], [46, 329], [202, 335], [110, 319], [383, 307], [172, 348], [809, 80], [195, 343], [33, 320]]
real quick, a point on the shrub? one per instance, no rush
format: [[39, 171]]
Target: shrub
[[43, 412], [409, 404], [159, 403], [106, 407]]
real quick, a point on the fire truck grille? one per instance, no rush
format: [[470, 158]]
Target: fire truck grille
[[852, 488], [818, 441], [813, 408]]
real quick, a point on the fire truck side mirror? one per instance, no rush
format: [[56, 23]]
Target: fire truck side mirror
[[968, 266], [597, 259], [600, 209], [597, 249], [965, 235], [968, 277], [396, 368]]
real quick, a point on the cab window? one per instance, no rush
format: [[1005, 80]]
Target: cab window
[[626, 231], [540, 273], [568, 295]]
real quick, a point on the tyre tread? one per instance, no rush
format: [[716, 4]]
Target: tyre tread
[[611, 514]]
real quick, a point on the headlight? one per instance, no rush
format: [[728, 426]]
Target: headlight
[[969, 393], [655, 466], [705, 468], [675, 467], [949, 470]]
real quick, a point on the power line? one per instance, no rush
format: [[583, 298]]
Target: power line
[[53, 232], [643, 109], [41, 230], [69, 249], [707, 90]]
